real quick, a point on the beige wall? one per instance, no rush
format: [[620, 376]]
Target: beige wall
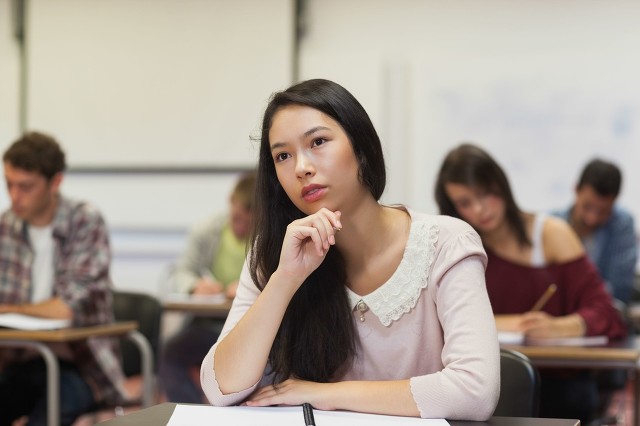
[[543, 85]]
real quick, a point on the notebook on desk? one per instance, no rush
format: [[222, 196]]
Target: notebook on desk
[[187, 415], [28, 322], [517, 338], [569, 341]]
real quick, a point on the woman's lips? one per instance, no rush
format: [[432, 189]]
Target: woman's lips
[[313, 193]]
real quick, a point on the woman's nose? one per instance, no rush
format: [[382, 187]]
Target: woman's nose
[[304, 166]]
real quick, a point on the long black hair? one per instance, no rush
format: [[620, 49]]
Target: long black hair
[[316, 337], [472, 166]]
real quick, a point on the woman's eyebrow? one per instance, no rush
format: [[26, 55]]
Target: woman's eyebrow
[[277, 145], [308, 133], [315, 129]]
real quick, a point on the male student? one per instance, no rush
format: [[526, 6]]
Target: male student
[[54, 257], [606, 229]]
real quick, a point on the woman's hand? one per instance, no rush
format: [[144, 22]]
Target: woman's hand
[[306, 244], [293, 392], [542, 325], [232, 288], [207, 287]]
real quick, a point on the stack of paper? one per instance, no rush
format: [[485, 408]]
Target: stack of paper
[[27, 322]]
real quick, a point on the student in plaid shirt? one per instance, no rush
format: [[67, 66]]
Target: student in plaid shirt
[[54, 263]]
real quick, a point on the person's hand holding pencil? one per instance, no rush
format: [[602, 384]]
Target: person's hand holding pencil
[[544, 298]]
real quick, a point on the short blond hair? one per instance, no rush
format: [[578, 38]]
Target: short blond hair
[[245, 189]]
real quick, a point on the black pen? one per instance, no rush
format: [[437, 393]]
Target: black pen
[[307, 409]]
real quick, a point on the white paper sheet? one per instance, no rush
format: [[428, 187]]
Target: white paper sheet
[[569, 341], [518, 338], [27, 322], [510, 337], [213, 299], [193, 415]]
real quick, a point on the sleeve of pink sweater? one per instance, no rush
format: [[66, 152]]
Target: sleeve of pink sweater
[[468, 386], [245, 297]]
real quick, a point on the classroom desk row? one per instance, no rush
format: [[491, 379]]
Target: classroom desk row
[[160, 414], [198, 306], [621, 355], [39, 340]]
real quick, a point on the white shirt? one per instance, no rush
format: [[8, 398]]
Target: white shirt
[[42, 273]]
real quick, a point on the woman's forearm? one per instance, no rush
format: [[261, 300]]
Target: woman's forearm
[[241, 356], [378, 397]]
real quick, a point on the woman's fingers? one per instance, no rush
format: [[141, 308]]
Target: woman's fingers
[[289, 392], [304, 232], [307, 242], [325, 222]]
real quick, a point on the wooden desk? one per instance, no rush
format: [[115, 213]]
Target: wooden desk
[[160, 414], [199, 307], [38, 340], [622, 355]]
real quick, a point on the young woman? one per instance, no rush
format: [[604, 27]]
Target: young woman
[[346, 303], [527, 254]]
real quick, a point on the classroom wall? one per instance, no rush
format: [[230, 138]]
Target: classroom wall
[[543, 85], [9, 73], [156, 103]]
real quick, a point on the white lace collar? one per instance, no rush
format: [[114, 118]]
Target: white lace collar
[[401, 292]]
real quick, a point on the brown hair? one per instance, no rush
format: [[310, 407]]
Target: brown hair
[[36, 152], [471, 166], [604, 177]]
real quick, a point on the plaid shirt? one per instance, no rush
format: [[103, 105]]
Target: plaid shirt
[[81, 263]]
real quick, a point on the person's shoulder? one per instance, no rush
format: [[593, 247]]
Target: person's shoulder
[[448, 227], [69, 207], [561, 243], [76, 217], [7, 216], [561, 213], [211, 223], [622, 215], [8, 221]]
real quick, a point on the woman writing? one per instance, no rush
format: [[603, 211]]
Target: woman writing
[[529, 253], [346, 303]]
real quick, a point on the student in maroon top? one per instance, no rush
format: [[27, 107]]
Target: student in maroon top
[[527, 253]]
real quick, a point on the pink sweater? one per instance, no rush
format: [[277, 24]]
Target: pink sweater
[[431, 322]]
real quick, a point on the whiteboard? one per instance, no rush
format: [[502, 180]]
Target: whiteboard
[[156, 83], [542, 117]]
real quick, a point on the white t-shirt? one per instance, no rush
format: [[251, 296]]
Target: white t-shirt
[[42, 273]]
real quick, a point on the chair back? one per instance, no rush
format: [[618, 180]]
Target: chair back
[[147, 311], [519, 386]]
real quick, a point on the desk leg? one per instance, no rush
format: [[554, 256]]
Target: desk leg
[[636, 396], [146, 356], [53, 376]]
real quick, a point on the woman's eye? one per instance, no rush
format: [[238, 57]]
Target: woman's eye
[[281, 156], [318, 141], [463, 204]]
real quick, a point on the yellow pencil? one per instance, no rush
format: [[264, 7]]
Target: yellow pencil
[[544, 298]]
